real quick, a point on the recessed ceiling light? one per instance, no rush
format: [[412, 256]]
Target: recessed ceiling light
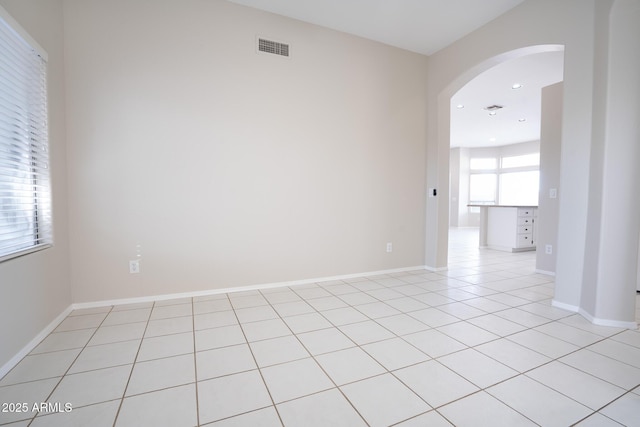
[[516, 86], [492, 140], [522, 120], [459, 106]]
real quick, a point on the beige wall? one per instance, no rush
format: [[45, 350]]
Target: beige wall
[[608, 292], [454, 186], [222, 167], [550, 142], [35, 289]]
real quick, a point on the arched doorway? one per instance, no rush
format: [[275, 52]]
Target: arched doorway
[[497, 150], [436, 250]]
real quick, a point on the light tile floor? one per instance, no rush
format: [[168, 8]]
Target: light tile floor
[[476, 345]]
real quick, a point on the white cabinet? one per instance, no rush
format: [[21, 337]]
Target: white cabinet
[[511, 228]]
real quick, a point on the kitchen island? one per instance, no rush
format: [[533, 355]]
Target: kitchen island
[[508, 228]]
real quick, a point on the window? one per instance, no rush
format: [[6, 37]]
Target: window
[[521, 161], [25, 200], [519, 188], [504, 180], [476, 163], [482, 188]]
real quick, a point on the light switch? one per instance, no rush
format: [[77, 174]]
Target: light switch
[[553, 193]]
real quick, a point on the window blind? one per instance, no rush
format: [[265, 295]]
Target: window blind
[[25, 195]]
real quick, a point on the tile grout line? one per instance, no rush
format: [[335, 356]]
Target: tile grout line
[[195, 360], [264, 382], [519, 373], [72, 363], [133, 365], [312, 356], [462, 320], [392, 372]]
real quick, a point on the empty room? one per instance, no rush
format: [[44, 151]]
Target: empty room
[[319, 213]]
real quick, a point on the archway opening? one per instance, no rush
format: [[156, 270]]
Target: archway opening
[[440, 227]]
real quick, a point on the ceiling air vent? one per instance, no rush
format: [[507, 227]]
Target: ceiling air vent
[[273, 47]]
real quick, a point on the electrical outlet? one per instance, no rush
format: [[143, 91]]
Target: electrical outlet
[[548, 249], [389, 247], [134, 266]]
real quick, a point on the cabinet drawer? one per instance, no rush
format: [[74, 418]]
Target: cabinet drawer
[[525, 220], [522, 229], [524, 240], [525, 212]]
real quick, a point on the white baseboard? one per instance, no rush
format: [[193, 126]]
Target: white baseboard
[[595, 320], [548, 273], [435, 269], [564, 306], [34, 342], [608, 322], [164, 297]]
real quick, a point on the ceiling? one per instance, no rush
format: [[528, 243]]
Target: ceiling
[[472, 126], [422, 26], [426, 26]]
